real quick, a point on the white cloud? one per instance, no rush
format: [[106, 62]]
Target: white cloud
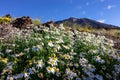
[[110, 7], [101, 21]]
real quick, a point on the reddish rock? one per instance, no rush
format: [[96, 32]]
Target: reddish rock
[[22, 22]]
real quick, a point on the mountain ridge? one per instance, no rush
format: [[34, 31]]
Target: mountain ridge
[[85, 22]]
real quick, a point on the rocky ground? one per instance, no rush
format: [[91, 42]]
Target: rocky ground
[[7, 33], [7, 30]]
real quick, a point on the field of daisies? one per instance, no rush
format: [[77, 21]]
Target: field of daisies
[[56, 53]]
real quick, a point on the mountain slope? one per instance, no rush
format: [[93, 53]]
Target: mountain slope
[[85, 22]]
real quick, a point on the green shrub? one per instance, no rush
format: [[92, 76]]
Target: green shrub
[[36, 22], [4, 20]]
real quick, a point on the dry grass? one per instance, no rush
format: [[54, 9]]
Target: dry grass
[[112, 32]]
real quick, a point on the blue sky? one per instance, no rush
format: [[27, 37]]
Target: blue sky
[[107, 11]]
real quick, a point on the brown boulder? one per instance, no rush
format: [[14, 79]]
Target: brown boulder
[[22, 23]]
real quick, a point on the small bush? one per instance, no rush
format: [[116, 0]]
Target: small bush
[[4, 20], [36, 22]]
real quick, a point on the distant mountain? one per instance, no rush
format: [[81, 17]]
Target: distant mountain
[[85, 22]]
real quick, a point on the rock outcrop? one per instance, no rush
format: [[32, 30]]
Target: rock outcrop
[[22, 23]]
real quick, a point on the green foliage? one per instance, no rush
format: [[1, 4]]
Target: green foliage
[[0, 47], [4, 20], [2, 65], [36, 22]]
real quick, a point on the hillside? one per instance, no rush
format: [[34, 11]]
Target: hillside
[[46, 53], [85, 22]]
